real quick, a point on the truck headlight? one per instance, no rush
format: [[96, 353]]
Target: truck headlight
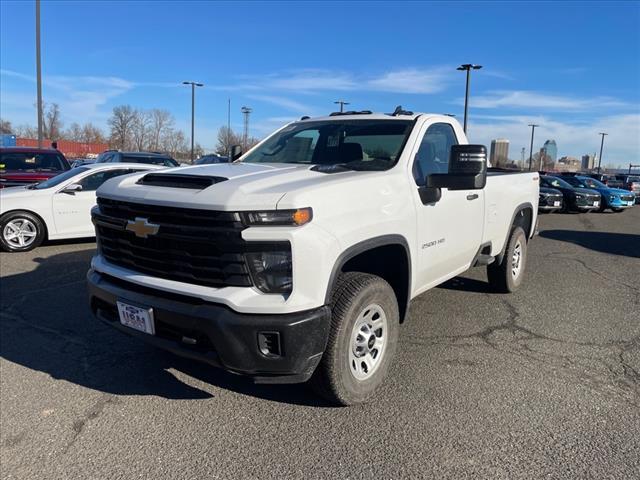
[[271, 271], [297, 217]]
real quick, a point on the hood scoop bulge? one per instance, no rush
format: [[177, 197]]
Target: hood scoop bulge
[[180, 180]]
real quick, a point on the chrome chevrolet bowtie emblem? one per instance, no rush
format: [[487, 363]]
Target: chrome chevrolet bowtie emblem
[[141, 227]]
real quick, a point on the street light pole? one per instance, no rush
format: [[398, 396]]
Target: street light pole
[[39, 74], [468, 67], [533, 129], [342, 103], [601, 146], [193, 109]]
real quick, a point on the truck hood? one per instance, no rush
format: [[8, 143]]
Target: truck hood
[[245, 186]]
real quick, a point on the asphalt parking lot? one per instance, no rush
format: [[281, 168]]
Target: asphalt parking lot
[[542, 383]]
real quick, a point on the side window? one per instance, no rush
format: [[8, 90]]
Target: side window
[[91, 182], [434, 151]]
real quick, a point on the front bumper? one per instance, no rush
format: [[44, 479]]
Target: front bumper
[[224, 338]]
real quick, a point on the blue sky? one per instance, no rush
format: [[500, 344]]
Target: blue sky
[[571, 67]]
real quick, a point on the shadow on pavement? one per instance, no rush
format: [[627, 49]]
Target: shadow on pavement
[[46, 325], [467, 285], [624, 244]]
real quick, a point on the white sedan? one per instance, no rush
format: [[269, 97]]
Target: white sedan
[[57, 208]]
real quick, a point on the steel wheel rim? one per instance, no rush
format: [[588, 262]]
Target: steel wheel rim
[[20, 233], [516, 260], [368, 342]]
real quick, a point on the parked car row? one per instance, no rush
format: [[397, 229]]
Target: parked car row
[[582, 193]]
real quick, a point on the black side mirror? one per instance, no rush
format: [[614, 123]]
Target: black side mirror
[[467, 169], [236, 152]]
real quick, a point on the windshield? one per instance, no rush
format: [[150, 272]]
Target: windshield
[[58, 179], [576, 182], [32, 161], [592, 183], [355, 144], [555, 182]]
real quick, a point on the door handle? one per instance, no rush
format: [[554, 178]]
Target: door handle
[[472, 196]]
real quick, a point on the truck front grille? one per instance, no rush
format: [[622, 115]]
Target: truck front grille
[[202, 247]]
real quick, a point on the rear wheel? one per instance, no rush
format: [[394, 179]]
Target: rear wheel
[[21, 232], [362, 340], [506, 276]]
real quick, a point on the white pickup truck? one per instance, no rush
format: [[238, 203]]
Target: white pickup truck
[[298, 260]]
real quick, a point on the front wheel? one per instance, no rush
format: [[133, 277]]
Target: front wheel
[[21, 232], [506, 276], [362, 340], [618, 210]]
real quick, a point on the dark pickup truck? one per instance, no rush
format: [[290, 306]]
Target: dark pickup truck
[[23, 165]]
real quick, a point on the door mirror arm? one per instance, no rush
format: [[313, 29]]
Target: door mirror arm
[[429, 195], [71, 189]]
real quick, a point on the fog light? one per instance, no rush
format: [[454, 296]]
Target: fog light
[[269, 344]]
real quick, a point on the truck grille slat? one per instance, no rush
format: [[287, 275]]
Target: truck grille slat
[[201, 247]]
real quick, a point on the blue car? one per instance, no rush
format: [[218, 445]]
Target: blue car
[[616, 199]]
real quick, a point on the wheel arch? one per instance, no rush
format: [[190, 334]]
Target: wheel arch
[[522, 217], [395, 269]]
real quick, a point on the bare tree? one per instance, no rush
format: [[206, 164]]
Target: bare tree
[[161, 120], [92, 134], [121, 124], [141, 129], [5, 126], [52, 122], [26, 131], [227, 138], [74, 133], [174, 142]]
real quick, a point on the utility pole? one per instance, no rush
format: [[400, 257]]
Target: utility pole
[[522, 161], [601, 146], [229, 129], [468, 67], [193, 109], [533, 129], [39, 74], [342, 103], [246, 111]]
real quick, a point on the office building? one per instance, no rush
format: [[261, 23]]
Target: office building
[[499, 154]]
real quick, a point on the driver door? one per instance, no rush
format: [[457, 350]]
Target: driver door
[[449, 230]]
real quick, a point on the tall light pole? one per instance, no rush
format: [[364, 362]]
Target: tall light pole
[[533, 129], [601, 146], [229, 129], [246, 111], [468, 67], [193, 109], [39, 74], [342, 103]]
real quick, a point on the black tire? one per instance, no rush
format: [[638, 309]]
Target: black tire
[[353, 294], [501, 276], [35, 226], [618, 210]]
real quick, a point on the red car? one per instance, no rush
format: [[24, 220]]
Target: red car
[[25, 165]]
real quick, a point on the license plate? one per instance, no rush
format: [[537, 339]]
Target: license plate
[[630, 203], [556, 204], [596, 203], [136, 317]]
